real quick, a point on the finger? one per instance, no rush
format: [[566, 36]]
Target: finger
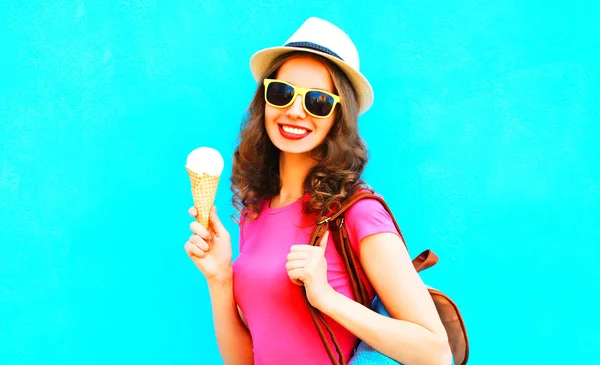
[[198, 241], [198, 229], [298, 255], [324, 239], [301, 248], [296, 276], [296, 264], [215, 223], [193, 212], [193, 250]]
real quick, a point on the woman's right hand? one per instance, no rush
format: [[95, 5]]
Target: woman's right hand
[[210, 250]]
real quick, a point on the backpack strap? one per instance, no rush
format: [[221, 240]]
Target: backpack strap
[[332, 216], [334, 222]]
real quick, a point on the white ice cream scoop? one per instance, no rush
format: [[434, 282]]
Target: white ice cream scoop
[[205, 160], [204, 166]]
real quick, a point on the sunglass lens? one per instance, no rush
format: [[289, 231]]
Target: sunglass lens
[[279, 93], [319, 103]]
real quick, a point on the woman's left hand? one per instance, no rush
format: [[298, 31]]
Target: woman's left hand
[[306, 265]]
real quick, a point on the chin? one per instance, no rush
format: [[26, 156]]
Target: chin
[[293, 149]]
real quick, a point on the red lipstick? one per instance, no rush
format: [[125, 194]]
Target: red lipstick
[[293, 136]]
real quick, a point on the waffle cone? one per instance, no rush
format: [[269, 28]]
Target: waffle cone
[[204, 190]]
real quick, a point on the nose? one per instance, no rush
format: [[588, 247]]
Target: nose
[[296, 110]]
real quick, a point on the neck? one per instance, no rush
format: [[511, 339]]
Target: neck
[[293, 168]]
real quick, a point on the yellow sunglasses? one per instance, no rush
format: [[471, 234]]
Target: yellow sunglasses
[[318, 103]]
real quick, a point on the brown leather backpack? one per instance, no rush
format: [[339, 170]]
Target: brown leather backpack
[[447, 309]]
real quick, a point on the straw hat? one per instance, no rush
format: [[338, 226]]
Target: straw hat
[[320, 37]]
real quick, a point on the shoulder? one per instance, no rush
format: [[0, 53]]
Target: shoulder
[[369, 209], [248, 222], [366, 217], [248, 216]]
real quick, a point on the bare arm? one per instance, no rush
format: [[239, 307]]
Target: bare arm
[[414, 335], [233, 338], [210, 251]]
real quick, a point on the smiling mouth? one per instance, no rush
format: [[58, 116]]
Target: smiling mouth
[[290, 132], [294, 130]]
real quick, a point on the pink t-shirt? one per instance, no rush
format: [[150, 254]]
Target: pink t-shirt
[[277, 315]]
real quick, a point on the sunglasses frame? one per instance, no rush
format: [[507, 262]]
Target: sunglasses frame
[[301, 91]]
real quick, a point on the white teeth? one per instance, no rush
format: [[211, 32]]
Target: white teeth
[[293, 130]]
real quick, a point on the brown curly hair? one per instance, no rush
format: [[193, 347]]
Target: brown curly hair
[[341, 157]]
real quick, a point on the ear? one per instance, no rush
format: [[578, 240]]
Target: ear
[[323, 241]]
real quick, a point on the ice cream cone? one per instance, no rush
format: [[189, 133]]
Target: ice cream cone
[[204, 190]]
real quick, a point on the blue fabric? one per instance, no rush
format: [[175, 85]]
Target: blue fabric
[[365, 354], [311, 45]]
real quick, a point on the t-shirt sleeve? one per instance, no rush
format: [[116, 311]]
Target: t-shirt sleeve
[[367, 217]]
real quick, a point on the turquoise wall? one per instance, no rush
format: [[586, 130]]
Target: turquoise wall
[[483, 137]]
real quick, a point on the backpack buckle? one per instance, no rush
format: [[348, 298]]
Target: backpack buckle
[[324, 220]]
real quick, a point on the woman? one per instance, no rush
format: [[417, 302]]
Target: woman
[[300, 156]]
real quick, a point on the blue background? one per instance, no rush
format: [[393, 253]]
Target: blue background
[[483, 137]]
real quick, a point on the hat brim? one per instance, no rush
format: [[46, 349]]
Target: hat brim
[[262, 59]]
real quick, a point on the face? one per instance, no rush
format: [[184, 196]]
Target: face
[[292, 129]]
